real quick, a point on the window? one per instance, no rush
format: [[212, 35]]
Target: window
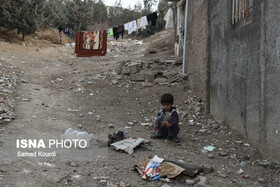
[[241, 12]]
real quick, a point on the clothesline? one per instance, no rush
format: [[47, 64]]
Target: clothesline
[[94, 43]]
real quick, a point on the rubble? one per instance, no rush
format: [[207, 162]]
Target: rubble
[[151, 70], [8, 82]]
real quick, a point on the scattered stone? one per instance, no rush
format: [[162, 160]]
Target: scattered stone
[[261, 180], [130, 123], [264, 163], [73, 164], [190, 182], [103, 181], [160, 80], [146, 124], [111, 126], [149, 77], [222, 153], [137, 77], [211, 156], [134, 68], [207, 168]]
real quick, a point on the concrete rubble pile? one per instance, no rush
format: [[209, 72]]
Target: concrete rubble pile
[[8, 79], [159, 71]]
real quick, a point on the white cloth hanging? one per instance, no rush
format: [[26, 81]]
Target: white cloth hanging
[[144, 22], [126, 26], [132, 27], [139, 23], [169, 19]]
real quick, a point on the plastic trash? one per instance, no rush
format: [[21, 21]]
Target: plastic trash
[[152, 169], [209, 148], [74, 134]]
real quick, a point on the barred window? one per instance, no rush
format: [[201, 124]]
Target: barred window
[[241, 12]]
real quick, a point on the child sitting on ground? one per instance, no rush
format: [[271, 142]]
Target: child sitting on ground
[[167, 120]]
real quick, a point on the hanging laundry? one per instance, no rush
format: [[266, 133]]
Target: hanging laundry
[[120, 30], [139, 23], [132, 27], [115, 32], [126, 26], [110, 32], [152, 17], [91, 43], [144, 22], [169, 19]]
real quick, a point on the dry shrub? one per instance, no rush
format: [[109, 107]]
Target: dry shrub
[[52, 36]]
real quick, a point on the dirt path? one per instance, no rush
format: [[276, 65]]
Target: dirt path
[[58, 91]]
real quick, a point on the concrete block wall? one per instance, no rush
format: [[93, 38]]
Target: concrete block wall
[[244, 73]]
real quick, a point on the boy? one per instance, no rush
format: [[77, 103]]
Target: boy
[[167, 120]]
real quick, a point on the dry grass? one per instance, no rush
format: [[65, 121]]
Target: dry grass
[[46, 35], [52, 36]]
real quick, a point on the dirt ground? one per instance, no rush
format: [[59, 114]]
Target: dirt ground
[[54, 91]]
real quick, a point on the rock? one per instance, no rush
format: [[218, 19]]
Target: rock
[[207, 168], [120, 67], [103, 181], [125, 70], [264, 163], [181, 161], [190, 182], [130, 123], [111, 126], [261, 180], [211, 156], [149, 77], [170, 74], [158, 67], [160, 80], [134, 68], [146, 124], [137, 77], [73, 164], [222, 153]]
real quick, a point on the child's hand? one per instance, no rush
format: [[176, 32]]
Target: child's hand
[[165, 123]]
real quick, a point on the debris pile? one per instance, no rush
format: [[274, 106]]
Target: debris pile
[[159, 71], [8, 79]]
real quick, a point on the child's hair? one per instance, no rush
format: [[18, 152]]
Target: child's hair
[[167, 98]]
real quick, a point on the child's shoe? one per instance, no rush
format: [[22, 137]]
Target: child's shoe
[[157, 136], [176, 139]]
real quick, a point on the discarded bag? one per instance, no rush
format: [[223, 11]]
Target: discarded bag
[[74, 134], [128, 145], [116, 137]]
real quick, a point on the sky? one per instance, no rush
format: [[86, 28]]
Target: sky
[[125, 3]]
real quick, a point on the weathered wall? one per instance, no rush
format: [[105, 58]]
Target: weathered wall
[[244, 69], [197, 66]]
